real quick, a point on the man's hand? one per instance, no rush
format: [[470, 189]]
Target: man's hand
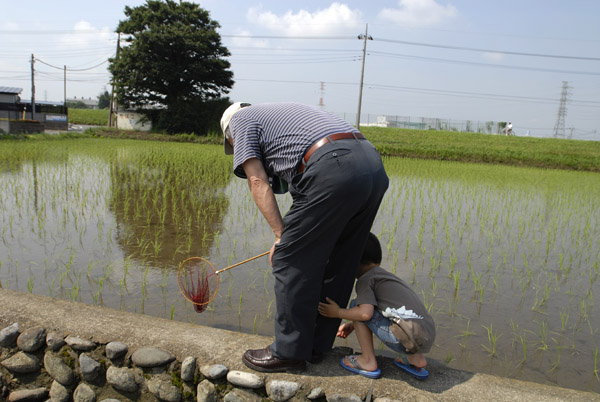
[[273, 250], [329, 309]]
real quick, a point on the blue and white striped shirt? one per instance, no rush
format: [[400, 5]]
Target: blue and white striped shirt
[[279, 134]]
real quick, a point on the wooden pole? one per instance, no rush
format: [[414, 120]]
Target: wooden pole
[[362, 73], [32, 87], [65, 85], [112, 91]]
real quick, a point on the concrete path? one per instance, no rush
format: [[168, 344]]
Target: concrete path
[[211, 345]]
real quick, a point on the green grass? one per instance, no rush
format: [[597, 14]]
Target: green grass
[[93, 117], [549, 153], [486, 148]]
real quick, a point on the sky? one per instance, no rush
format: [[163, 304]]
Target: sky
[[448, 59]]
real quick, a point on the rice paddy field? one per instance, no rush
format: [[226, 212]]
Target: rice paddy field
[[505, 258]]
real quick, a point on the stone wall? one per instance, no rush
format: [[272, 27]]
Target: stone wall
[[37, 365]]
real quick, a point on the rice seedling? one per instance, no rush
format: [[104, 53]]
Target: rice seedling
[[465, 335], [492, 340], [596, 366]]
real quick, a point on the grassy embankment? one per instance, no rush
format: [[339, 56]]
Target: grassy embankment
[[92, 117], [485, 148], [442, 145]]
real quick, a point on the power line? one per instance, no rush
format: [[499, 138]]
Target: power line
[[305, 61], [477, 95], [290, 37], [434, 59], [472, 49], [465, 48], [68, 69]]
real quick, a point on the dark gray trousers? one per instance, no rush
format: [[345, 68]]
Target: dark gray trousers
[[335, 201]]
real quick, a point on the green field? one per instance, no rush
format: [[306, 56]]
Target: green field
[[451, 146], [92, 117], [486, 148], [549, 153]]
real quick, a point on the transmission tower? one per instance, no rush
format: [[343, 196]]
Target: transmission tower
[[559, 126], [321, 104]]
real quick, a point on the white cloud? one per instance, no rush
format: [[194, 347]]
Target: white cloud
[[418, 12], [305, 23], [85, 34], [492, 56], [10, 26]]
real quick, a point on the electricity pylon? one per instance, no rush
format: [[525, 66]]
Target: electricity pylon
[[559, 126]]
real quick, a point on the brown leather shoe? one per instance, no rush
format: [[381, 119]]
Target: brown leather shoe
[[263, 360]]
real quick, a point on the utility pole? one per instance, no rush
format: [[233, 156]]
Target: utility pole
[[65, 70], [32, 88], [362, 71], [112, 91], [559, 126]]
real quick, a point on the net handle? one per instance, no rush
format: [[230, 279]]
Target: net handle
[[242, 262]]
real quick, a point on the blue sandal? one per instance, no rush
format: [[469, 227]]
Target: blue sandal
[[418, 373], [356, 369]]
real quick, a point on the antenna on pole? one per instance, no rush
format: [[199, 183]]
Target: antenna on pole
[[362, 71], [559, 126]]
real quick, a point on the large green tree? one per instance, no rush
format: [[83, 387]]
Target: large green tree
[[173, 56]]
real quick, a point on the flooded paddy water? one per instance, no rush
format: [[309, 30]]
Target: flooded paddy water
[[505, 258]]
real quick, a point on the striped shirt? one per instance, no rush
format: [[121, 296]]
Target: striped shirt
[[279, 134]]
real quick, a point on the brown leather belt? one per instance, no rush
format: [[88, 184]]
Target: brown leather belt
[[326, 140]]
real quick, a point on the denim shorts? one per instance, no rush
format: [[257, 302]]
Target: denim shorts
[[380, 326]]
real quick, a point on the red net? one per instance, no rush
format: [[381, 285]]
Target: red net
[[198, 282]]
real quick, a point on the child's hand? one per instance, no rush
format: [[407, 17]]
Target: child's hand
[[344, 330], [329, 309]]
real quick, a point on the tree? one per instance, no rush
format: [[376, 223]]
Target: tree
[[104, 100], [77, 105], [174, 57]]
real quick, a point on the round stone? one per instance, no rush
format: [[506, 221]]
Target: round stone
[[55, 341], [91, 370], [122, 379], [206, 392], [84, 393], [280, 391], [116, 350], [22, 362], [9, 335], [148, 356], [58, 369], [316, 393], [246, 380], [28, 395], [80, 344], [59, 393], [214, 372], [163, 389], [32, 339], [188, 369]]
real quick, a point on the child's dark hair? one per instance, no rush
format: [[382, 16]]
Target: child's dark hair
[[372, 251]]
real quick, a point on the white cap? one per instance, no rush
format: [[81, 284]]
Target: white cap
[[227, 115]]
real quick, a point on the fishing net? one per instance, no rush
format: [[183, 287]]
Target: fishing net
[[198, 280]]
